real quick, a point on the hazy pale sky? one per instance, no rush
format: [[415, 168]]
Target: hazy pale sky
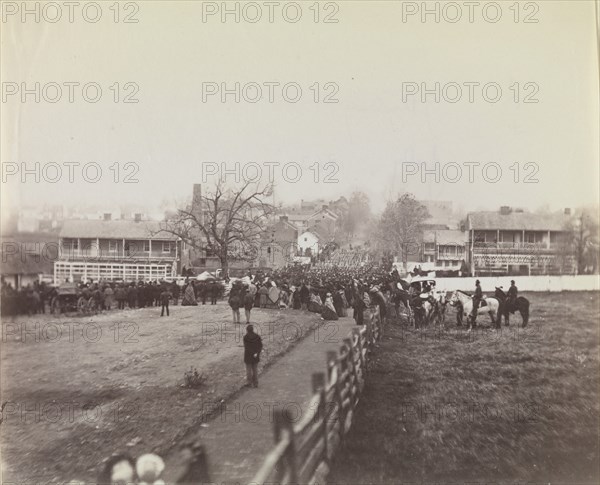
[[370, 55]]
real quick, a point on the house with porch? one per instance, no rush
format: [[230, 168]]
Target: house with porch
[[128, 250], [515, 242]]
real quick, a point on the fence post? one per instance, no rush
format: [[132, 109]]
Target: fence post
[[196, 470], [370, 338], [318, 384], [283, 421], [342, 364], [348, 342], [363, 367], [332, 357]]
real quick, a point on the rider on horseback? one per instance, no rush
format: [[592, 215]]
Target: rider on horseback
[[512, 294], [477, 297]]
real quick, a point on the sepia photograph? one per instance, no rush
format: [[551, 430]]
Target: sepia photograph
[[310, 242]]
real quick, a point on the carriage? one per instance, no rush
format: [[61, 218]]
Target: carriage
[[430, 303], [69, 298], [424, 286]]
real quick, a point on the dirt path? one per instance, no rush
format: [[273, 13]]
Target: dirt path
[[80, 389], [238, 438]]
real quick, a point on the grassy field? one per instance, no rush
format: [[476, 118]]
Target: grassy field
[[516, 406], [79, 389]]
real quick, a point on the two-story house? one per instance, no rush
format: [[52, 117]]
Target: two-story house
[[515, 242], [278, 244], [444, 250], [128, 250]]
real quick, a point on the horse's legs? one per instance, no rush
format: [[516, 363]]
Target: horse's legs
[[525, 316]]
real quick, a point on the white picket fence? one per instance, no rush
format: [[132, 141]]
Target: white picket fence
[[524, 283]]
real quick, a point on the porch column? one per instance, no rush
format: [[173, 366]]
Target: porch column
[[548, 243], [98, 252], [472, 262], [78, 246], [123, 248], [149, 249]]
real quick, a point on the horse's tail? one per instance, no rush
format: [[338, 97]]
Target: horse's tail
[[525, 311]]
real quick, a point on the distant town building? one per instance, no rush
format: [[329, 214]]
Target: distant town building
[[115, 250], [515, 242], [309, 215], [278, 244], [309, 243], [28, 257], [441, 215], [445, 248]]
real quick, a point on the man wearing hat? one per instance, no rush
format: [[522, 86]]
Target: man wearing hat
[[513, 292], [477, 297]]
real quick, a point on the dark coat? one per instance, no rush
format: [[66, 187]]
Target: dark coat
[[252, 345], [235, 298]]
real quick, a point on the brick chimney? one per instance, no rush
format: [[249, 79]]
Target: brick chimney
[[505, 210], [137, 217], [567, 211], [107, 216], [283, 218]]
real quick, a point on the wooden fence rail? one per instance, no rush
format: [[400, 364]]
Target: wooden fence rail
[[303, 451]]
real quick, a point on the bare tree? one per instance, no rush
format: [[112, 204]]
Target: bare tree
[[225, 222], [400, 227], [583, 240], [359, 213]]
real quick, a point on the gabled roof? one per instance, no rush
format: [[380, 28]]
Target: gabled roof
[[30, 238], [119, 229], [286, 224], [516, 221], [446, 237], [26, 264], [329, 212]]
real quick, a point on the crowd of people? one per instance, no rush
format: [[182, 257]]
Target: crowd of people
[[38, 297], [329, 291]]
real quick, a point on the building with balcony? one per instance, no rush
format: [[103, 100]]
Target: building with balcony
[[129, 250], [444, 250], [515, 242]]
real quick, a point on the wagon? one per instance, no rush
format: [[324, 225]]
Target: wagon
[[425, 287], [68, 298], [420, 284]]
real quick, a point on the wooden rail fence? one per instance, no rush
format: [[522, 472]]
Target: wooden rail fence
[[303, 451]]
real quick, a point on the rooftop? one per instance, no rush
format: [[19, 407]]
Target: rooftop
[[119, 229], [445, 237], [517, 221]]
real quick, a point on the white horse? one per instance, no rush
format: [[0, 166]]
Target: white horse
[[490, 307]]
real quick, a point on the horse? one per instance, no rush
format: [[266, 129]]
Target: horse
[[399, 294], [439, 309], [521, 304], [488, 305]]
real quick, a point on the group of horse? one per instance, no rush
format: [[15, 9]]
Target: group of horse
[[430, 307]]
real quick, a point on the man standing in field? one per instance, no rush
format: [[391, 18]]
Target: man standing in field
[[165, 296], [252, 349]]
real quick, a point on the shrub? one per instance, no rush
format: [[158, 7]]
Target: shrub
[[192, 379]]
